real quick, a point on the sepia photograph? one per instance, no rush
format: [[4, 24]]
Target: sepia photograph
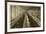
[[24, 17]]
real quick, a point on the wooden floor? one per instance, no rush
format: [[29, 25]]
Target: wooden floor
[[20, 22]]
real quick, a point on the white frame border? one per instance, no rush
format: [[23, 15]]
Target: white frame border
[[23, 29]]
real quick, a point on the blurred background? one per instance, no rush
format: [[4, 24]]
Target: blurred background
[[2, 17]]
